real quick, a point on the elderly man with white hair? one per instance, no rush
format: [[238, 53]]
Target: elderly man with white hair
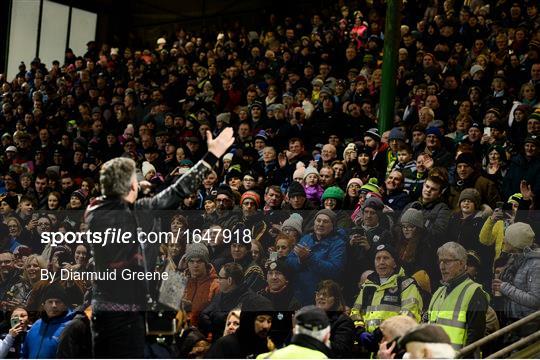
[[460, 305]]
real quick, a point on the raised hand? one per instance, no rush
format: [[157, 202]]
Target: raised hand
[[219, 145]]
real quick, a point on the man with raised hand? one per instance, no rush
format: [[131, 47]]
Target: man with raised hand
[[118, 325]]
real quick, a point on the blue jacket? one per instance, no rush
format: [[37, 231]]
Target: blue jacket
[[327, 261], [42, 339]]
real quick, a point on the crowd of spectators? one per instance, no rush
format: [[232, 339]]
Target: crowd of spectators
[[334, 207]]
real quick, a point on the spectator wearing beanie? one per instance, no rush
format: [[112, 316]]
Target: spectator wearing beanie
[[467, 176], [293, 226], [319, 255], [148, 171], [364, 168], [77, 200], [465, 225], [43, 337], [202, 284], [375, 223], [297, 202], [524, 166], [352, 193], [312, 186], [280, 292], [520, 294], [436, 212], [416, 254], [332, 199], [435, 147], [252, 216]]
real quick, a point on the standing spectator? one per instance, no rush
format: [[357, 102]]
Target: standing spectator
[[318, 255], [202, 283], [43, 338], [521, 293], [460, 305]]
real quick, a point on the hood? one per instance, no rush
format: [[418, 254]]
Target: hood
[[484, 212]]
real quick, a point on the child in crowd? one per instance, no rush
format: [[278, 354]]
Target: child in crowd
[[313, 189]]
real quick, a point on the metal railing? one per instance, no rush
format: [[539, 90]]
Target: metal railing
[[487, 339]]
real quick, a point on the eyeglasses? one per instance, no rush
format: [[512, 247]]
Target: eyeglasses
[[447, 261], [322, 295], [408, 227]]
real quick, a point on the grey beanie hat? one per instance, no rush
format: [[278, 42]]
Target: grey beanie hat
[[197, 250], [413, 217], [332, 215], [294, 221]]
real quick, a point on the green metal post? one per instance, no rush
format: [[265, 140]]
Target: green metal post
[[390, 64]]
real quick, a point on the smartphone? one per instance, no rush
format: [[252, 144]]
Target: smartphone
[[487, 131], [499, 204], [15, 321], [273, 256]]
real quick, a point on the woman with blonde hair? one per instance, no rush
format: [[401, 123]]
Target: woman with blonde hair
[[20, 292], [232, 323]]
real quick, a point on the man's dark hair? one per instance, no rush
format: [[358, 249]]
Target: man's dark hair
[[234, 271], [42, 176]]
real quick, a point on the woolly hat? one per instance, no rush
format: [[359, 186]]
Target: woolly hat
[[333, 192], [515, 199], [397, 134], [414, 217], [12, 201], [355, 181], [371, 186], [79, 194], [310, 170], [374, 134], [294, 221], [434, 131], [373, 203], [228, 156], [349, 148], [332, 215], [533, 139], [471, 194], [147, 167], [251, 195], [296, 189], [55, 291], [390, 249], [466, 158], [225, 117], [519, 235], [300, 169], [197, 251]]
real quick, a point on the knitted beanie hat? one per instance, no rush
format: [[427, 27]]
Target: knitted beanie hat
[[310, 170], [333, 192], [296, 189], [294, 221], [197, 251], [300, 169], [332, 215], [413, 217], [471, 194], [147, 167], [371, 186], [355, 181], [519, 235], [251, 195], [351, 147]]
